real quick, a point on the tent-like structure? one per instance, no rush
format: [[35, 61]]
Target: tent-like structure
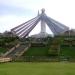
[[24, 29]]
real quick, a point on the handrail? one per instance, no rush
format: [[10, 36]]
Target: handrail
[[12, 49]]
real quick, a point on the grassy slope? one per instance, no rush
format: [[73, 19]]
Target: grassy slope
[[2, 50], [43, 51], [68, 51], [37, 69], [37, 51]]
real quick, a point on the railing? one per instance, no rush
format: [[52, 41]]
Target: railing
[[44, 59], [10, 50], [5, 60], [38, 59]]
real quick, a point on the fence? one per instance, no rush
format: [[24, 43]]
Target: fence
[[5, 59], [43, 59]]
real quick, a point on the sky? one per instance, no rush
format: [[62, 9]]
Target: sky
[[15, 12]]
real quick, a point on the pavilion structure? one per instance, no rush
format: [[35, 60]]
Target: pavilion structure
[[24, 29]]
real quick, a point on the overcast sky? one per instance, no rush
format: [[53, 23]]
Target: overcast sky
[[15, 12]]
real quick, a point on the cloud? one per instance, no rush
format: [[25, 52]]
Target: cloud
[[11, 10]]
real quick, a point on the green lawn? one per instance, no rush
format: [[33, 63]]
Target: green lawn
[[37, 51], [55, 68]]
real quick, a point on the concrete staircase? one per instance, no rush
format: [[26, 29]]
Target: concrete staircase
[[17, 51]]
